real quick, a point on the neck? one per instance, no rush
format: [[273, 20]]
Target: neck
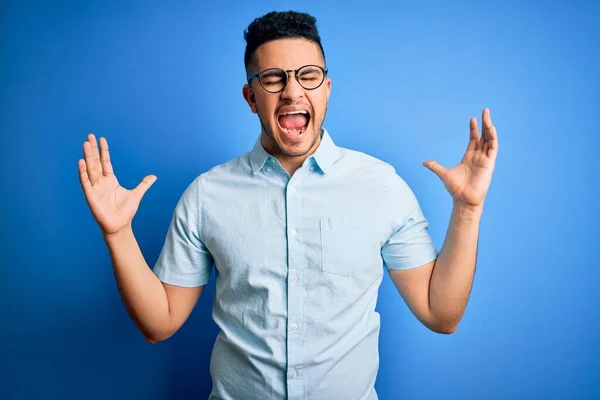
[[290, 163]]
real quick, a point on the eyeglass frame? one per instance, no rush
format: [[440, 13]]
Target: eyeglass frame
[[287, 77]]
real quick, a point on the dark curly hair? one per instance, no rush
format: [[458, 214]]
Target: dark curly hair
[[280, 25]]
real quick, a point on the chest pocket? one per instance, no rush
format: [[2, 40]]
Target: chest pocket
[[348, 247]]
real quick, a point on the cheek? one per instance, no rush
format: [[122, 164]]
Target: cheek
[[266, 107], [319, 105]]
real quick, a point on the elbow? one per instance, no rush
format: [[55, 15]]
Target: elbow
[[156, 337], [444, 322], [152, 340], [445, 330], [445, 327]]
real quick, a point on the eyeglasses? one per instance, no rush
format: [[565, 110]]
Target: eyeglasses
[[274, 80]]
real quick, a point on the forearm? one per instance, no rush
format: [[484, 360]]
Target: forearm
[[142, 292], [454, 269]]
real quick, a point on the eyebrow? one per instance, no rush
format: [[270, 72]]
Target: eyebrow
[[309, 70], [272, 72]]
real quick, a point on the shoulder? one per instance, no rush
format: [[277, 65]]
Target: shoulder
[[211, 185], [224, 172], [237, 166], [359, 162], [381, 177]]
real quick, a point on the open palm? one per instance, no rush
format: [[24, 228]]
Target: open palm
[[469, 181], [112, 205]]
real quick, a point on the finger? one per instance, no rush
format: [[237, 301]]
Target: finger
[[94, 143], [144, 185], [481, 139], [83, 176], [90, 163], [436, 168], [105, 157], [488, 130], [486, 122], [493, 145], [474, 136], [91, 159]]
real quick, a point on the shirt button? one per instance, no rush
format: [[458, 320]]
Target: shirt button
[[312, 169], [294, 374], [268, 169], [294, 232], [295, 279], [294, 327]]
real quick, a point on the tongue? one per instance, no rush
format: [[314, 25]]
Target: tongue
[[294, 121]]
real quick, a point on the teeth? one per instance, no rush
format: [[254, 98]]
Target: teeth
[[294, 131], [295, 112]]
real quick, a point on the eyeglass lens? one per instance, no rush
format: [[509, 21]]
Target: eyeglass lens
[[309, 77]]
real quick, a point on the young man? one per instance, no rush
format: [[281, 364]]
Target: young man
[[299, 231]]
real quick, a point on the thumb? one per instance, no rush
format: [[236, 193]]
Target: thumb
[[144, 185], [436, 168]]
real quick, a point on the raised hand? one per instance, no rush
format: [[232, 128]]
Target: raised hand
[[112, 205], [469, 181]]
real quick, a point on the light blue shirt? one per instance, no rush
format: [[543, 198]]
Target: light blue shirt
[[299, 261]]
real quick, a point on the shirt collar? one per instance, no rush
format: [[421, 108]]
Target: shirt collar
[[258, 156], [325, 155]]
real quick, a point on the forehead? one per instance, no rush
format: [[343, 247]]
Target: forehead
[[287, 54]]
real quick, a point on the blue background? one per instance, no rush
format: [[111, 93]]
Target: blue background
[[163, 84]]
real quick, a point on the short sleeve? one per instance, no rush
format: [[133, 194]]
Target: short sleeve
[[410, 244], [184, 259]]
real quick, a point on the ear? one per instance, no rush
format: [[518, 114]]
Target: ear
[[248, 94], [328, 86]]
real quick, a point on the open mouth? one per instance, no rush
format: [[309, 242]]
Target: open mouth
[[293, 122]]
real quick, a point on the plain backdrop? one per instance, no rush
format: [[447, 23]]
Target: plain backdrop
[[162, 81]]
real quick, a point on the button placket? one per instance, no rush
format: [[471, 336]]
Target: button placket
[[295, 291]]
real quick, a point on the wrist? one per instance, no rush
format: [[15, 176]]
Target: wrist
[[119, 235], [467, 211]]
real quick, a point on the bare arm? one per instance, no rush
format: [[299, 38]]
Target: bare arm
[[157, 309], [438, 292]]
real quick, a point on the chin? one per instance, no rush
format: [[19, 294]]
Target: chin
[[297, 142]]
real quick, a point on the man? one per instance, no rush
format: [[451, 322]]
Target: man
[[299, 231]]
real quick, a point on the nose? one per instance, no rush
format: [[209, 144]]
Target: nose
[[292, 90]]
